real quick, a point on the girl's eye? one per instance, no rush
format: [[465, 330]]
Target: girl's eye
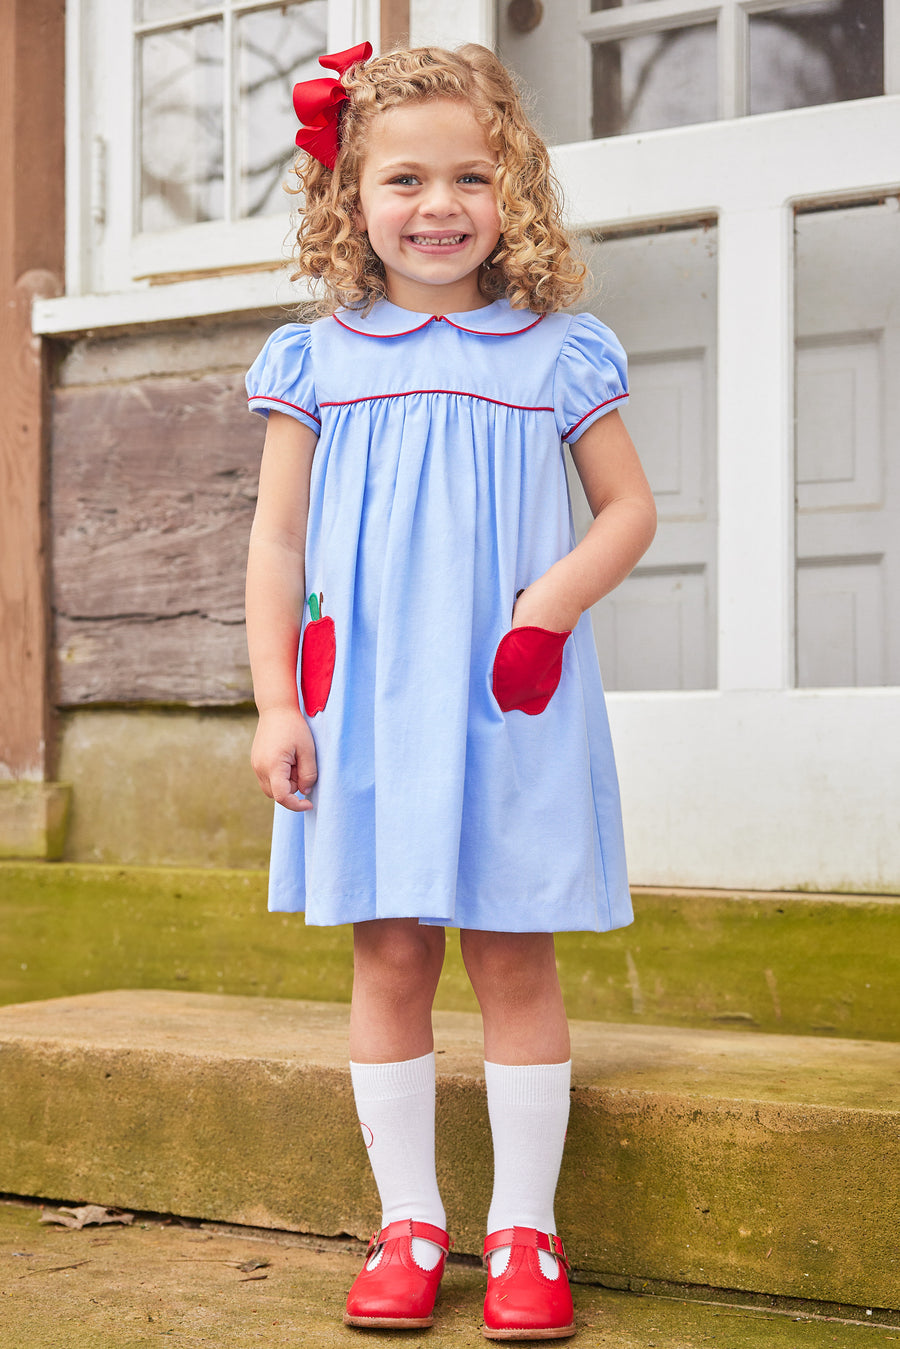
[[473, 178], [404, 180]]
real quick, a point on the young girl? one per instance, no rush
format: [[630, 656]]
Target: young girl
[[451, 763]]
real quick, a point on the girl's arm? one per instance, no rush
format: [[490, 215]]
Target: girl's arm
[[624, 524], [283, 755]]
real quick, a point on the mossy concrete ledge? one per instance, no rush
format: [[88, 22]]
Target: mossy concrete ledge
[[33, 820], [763, 1163]]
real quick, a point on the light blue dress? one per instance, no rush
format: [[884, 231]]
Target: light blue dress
[[438, 492]]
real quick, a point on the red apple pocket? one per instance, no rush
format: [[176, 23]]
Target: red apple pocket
[[528, 668], [317, 658]]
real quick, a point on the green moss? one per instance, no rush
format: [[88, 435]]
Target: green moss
[[810, 965], [80, 929], [796, 965], [33, 819]]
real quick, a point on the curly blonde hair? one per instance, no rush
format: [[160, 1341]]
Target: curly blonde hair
[[533, 265]]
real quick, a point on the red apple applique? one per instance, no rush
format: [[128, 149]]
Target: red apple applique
[[317, 658], [528, 668]]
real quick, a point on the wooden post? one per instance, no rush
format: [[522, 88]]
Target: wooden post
[[32, 243], [394, 24]]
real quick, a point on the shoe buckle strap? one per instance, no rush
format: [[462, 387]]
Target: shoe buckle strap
[[526, 1236], [411, 1227], [556, 1248]]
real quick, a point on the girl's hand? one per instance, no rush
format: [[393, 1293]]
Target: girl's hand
[[284, 757], [546, 604]]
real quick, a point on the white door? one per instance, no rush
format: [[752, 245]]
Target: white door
[[658, 293], [848, 446]]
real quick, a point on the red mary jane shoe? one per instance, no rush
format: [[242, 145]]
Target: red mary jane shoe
[[397, 1294], [522, 1303]]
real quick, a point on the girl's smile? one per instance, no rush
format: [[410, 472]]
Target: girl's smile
[[428, 205]]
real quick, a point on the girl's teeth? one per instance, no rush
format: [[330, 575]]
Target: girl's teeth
[[422, 239]]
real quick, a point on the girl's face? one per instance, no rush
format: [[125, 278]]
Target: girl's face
[[427, 202]]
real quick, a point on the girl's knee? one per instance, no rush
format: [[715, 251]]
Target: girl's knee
[[401, 953], [509, 965]]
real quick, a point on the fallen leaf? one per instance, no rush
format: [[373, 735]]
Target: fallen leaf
[[248, 1266], [88, 1215]]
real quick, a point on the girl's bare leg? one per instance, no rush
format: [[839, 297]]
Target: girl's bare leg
[[517, 987], [396, 967]]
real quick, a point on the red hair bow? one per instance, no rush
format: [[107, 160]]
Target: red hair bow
[[317, 104]]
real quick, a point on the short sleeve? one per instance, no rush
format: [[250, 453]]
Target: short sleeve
[[281, 378], [591, 376]]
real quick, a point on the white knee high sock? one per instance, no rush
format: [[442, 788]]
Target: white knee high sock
[[528, 1107], [395, 1104]]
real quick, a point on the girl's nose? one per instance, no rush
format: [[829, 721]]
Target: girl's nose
[[440, 200]]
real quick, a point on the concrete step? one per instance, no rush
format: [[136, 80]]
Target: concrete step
[[781, 963], [166, 1283], [769, 1164]]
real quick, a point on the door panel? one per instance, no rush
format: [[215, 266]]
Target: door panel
[[658, 629], [839, 439], [848, 438]]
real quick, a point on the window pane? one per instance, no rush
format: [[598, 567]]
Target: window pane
[[658, 629], [655, 80], [181, 130], [821, 53], [155, 11], [848, 428], [277, 48]]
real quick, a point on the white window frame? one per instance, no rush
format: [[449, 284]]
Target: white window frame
[[732, 32], [104, 254]]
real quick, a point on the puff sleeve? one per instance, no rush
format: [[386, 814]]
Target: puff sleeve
[[281, 378], [591, 376]]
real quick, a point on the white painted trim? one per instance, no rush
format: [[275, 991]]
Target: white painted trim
[[733, 61], [77, 213], [245, 293], [892, 46], [791, 790], [448, 25], [653, 16], [213, 244], [842, 150], [755, 449], [352, 21], [659, 15]]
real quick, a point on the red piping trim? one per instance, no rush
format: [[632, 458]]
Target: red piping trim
[[513, 332], [442, 318], [401, 334], [268, 398], [566, 434], [457, 393]]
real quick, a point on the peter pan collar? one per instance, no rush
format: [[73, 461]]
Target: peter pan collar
[[388, 320]]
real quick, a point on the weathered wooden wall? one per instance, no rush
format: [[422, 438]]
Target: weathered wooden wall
[[153, 485]]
